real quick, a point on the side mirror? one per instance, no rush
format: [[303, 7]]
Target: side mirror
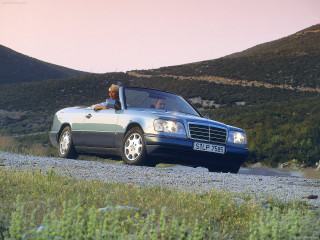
[[207, 117], [112, 103]]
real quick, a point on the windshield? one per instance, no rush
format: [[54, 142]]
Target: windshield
[[157, 100]]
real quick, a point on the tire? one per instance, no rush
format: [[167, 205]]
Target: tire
[[133, 150], [65, 144]]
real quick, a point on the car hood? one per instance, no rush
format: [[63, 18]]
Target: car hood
[[187, 118]]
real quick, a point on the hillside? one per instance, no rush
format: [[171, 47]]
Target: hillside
[[281, 120], [17, 68], [292, 62], [281, 124]]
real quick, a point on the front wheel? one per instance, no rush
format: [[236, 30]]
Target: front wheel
[[133, 150], [66, 148]]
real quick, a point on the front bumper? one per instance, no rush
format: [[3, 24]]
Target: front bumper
[[176, 150]]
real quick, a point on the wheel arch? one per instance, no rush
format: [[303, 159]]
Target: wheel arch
[[132, 125]]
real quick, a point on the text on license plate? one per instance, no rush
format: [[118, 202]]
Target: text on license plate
[[208, 147]]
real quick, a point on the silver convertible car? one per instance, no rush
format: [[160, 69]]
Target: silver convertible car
[[143, 133]]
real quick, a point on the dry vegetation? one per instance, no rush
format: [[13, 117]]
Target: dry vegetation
[[311, 173]]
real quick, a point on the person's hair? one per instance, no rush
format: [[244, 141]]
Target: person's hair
[[114, 87]]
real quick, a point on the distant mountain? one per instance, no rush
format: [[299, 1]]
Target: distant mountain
[[305, 42], [18, 68], [290, 62]]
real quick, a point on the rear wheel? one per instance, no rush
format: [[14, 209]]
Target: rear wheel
[[133, 151], [66, 148]]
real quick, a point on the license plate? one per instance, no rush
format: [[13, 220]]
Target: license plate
[[207, 147]]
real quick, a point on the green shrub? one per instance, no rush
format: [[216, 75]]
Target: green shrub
[[295, 224]]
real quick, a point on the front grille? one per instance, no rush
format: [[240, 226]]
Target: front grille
[[208, 133]]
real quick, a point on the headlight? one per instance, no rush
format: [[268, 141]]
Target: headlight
[[237, 137], [168, 126]]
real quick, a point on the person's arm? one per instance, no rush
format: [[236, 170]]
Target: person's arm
[[100, 106]]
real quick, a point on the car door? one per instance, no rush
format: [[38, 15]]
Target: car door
[[76, 118], [99, 128]]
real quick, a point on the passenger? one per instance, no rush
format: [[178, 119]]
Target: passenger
[[113, 94], [160, 104]]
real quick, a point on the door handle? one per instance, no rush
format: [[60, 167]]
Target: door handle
[[88, 115]]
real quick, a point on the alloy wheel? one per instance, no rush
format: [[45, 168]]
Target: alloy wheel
[[64, 142], [133, 147]]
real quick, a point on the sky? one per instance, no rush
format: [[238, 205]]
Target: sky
[[121, 35]]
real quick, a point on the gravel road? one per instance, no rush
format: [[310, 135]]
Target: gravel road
[[186, 179]]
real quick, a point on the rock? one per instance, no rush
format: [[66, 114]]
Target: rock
[[312, 196], [283, 165], [292, 164], [256, 165]]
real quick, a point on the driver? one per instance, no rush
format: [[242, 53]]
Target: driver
[[113, 94], [160, 104]]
